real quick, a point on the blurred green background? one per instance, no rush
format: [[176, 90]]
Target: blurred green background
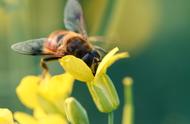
[[155, 32]]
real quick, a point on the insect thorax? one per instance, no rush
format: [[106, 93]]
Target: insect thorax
[[77, 47]]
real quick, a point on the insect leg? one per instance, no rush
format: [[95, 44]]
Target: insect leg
[[44, 65], [50, 58]]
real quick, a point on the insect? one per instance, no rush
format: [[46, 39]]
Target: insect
[[73, 41]]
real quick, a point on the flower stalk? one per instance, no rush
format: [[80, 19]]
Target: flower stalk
[[111, 118]]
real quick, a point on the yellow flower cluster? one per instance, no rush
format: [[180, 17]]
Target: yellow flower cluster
[[49, 98], [45, 96]]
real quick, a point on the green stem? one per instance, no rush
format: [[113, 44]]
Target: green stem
[[111, 118]]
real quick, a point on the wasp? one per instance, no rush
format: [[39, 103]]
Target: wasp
[[72, 41]]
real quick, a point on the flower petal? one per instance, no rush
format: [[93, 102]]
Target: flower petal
[[39, 113], [6, 117], [58, 87], [106, 59], [27, 91], [53, 119], [114, 58], [24, 118], [109, 59], [77, 68]]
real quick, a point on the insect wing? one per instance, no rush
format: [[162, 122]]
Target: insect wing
[[30, 47], [73, 17], [95, 39]]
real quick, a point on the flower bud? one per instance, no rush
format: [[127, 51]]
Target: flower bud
[[128, 110], [75, 112], [6, 117], [104, 93]]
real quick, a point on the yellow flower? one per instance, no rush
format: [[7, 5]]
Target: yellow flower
[[55, 91], [45, 92], [6, 116], [57, 88], [100, 86], [82, 72]]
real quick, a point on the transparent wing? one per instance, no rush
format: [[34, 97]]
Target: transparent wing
[[96, 39], [30, 47], [73, 17]]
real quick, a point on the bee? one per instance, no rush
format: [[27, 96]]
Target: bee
[[73, 41]]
